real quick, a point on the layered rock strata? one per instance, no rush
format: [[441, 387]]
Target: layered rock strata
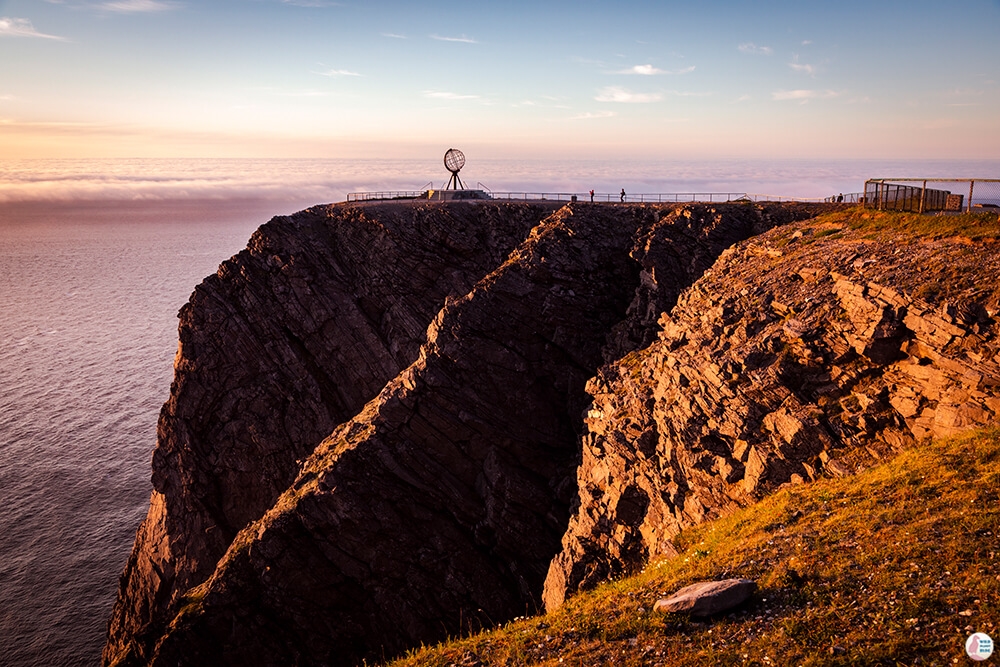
[[439, 505], [808, 350], [290, 338]]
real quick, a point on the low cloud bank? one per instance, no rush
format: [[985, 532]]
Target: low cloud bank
[[330, 180]]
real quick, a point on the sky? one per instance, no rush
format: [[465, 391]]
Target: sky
[[357, 78]]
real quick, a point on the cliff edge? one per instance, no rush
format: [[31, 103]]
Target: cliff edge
[[373, 439]]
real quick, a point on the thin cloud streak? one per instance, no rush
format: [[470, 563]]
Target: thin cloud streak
[[688, 93], [753, 49], [802, 67], [311, 4], [337, 73], [650, 70], [622, 95], [138, 6], [803, 95], [12, 27], [590, 115], [463, 39], [441, 95], [644, 70]]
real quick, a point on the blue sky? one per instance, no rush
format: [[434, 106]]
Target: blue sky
[[311, 78]]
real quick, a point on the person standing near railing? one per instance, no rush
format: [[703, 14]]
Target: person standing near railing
[[623, 195], [591, 195]]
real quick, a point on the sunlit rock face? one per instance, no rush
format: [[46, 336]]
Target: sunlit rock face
[[801, 353]]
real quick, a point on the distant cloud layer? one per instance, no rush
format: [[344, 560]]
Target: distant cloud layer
[[10, 27]]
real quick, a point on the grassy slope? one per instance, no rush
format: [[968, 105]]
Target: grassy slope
[[897, 565], [971, 226]]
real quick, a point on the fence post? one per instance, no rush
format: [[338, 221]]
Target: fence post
[[968, 206], [923, 194]]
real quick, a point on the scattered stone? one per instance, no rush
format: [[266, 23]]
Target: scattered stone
[[707, 598]]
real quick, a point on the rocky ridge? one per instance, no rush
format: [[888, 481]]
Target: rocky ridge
[[806, 351], [448, 456]]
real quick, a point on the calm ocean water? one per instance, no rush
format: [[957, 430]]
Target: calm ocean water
[[96, 258]]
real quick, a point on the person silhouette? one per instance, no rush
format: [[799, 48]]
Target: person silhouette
[[591, 196], [623, 194]]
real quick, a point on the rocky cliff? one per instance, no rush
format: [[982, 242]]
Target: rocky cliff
[[809, 350], [374, 434], [290, 338]]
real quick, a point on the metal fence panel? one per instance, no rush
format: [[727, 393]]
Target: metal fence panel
[[924, 195]]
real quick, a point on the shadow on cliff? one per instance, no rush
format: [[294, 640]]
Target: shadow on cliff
[[443, 492]]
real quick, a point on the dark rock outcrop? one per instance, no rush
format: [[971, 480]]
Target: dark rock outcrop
[[802, 352], [437, 505], [443, 501], [290, 338]]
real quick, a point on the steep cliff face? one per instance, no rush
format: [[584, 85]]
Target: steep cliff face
[[437, 505], [809, 350], [290, 338]]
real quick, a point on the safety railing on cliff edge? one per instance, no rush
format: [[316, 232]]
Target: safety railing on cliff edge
[[641, 198], [945, 194]]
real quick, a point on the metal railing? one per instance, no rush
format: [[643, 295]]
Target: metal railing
[[913, 195], [846, 198], [642, 198], [386, 195]]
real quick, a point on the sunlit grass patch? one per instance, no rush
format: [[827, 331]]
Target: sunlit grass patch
[[973, 226], [897, 565]]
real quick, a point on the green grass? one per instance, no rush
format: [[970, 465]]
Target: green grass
[[894, 566], [972, 226]]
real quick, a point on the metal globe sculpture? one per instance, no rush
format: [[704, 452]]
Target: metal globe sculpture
[[454, 160]]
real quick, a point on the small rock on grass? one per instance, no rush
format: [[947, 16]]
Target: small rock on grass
[[706, 598]]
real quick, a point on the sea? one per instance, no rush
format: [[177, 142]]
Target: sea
[[96, 259]]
